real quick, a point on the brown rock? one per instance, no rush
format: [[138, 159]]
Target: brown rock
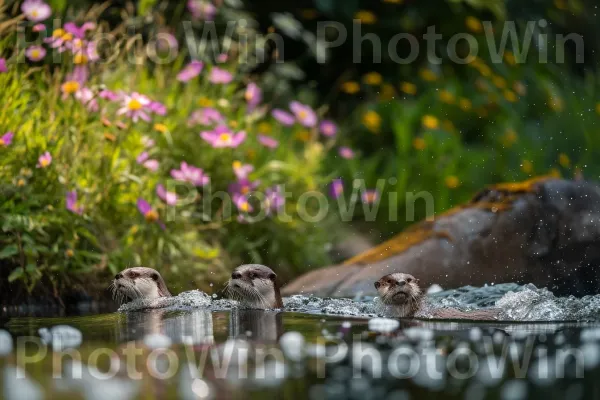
[[544, 231]]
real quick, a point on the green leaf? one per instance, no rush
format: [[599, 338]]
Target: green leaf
[[9, 251], [144, 6], [16, 274]]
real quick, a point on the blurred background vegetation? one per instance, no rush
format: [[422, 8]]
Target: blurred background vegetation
[[448, 129]]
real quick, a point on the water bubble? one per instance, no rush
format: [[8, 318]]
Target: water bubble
[[383, 325], [157, 341], [292, 345], [514, 390], [6, 343]]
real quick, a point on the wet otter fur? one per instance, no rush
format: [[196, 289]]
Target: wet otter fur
[[138, 283], [255, 286], [402, 297]]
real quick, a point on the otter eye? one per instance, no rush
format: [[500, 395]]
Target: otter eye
[[408, 280], [133, 275], [155, 276], [272, 277], [251, 275]]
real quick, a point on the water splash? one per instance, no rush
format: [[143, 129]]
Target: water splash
[[517, 303]]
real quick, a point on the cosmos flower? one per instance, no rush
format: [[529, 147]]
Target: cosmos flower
[[157, 108], [150, 214], [190, 71], [268, 141], [220, 76], [148, 142], [87, 98], [222, 58], [253, 96], [223, 137], [242, 171], [39, 28], [69, 88], [206, 116], [79, 31], [305, 115], [3, 67], [370, 196], [243, 187], [72, 203], [150, 164], [328, 128], [59, 39], [168, 197], [202, 9], [191, 174], [283, 117], [346, 152], [166, 42], [36, 10], [44, 160], [337, 188], [109, 95], [242, 204], [134, 106], [35, 53], [6, 139], [274, 200]]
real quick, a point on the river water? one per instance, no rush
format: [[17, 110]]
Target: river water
[[193, 346]]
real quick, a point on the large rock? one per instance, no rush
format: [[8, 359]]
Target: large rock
[[545, 232]]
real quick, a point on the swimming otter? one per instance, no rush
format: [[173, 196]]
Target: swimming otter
[[139, 283], [255, 286], [403, 298]]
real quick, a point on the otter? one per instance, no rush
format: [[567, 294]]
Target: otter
[[403, 298], [255, 286], [139, 283]]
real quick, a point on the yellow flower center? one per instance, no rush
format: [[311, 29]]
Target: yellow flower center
[[452, 182], [134, 105], [408, 88], [245, 190], [67, 37], [44, 162], [69, 253], [248, 95], [21, 182], [80, 59], [2, 144], [151, 216], [245, 206], [302, 114], [351, 87], [430, 122], [225, 137], [70, 87], [162, 128], [58, 33], [237, 164], [34, 13], [35, 53]]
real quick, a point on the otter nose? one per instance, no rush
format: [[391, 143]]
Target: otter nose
[[236, 275], [118, 276], [401, 283]]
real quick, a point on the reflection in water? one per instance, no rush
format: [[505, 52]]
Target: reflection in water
[[257, 325], [191, 327]]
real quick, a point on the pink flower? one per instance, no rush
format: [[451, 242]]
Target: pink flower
[[150, 214], [370, 196], [242, 171], [304, 114], [39, 28], [206, 116], [220, 76], [157, 108], [337, 188], [268, 141], [202, 9], [35, 53], [242, 203], [191, 174], [346, 152], [72, 203], [87, 98], [36, 10], [109, 95], [168, 197], [190, 71], [45, 160], [134, 106], [274, 200], [6, 139], [166, 42], [253, 96], [328, 128], [3, 67], [144, 160], [223, 137], [222, 58], [79, 31], [148, 142], [284, 118], [80, 74]]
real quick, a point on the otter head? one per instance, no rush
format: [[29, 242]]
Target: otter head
[[255, 286], [401, 293], [139, 283]]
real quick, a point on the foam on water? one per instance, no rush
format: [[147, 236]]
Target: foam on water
[[517, 303]]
